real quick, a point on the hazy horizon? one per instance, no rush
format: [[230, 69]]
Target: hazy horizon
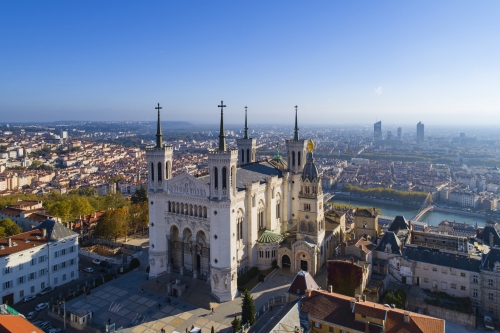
[[342, 63]]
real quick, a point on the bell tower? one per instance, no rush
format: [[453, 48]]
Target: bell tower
[[247, 147], [296, 149], [223, 265], [159, 164]]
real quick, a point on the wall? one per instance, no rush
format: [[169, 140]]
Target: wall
[[446, 314]]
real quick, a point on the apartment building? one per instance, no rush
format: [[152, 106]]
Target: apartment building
[[327, 312], [36, 259]]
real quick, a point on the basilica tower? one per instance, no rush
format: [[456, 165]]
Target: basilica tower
[[296, 150], [247, 147], [159, 163], [223, 265]]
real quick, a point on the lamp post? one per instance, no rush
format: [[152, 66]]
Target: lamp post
[[63, 303]]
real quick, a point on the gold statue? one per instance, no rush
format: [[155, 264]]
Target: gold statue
[[310, 145]]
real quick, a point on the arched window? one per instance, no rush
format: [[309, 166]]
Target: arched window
[[169, 207], [310, 227], [303, 226], [239, 225], [293, 158], [167, 173], [205, 212], [260, 216], [160, 176], [278, 208], [190, 210], [216, 178], [248, 156], [299, 159], [152, 172], [242, 156], [224, 178]]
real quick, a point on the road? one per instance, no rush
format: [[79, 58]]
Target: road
[[84, 262]]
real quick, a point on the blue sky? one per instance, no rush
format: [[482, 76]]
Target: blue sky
[[341, 62]]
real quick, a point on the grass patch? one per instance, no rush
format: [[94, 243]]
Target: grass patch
[[255, 280]]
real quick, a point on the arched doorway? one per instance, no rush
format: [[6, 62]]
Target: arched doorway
[[285, 261], [303, 265]]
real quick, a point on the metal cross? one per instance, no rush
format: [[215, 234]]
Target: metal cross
[[222, 106], [158, 107], [296, 107]]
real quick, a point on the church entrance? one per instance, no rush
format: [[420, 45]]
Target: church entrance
[[285, 261], [303, 265]]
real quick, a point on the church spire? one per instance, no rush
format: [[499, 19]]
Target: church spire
[[158, 129], [296, 135], [246, 125], [222, 136]]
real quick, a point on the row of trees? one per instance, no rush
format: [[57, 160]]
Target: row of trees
[[382, 192], [247, 312]]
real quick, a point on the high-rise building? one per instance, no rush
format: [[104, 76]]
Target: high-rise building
[[400, 133], [377, 131], [420, 132]]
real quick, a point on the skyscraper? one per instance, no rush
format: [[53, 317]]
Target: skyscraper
[[420, 132], [377, 131], [400, 133]]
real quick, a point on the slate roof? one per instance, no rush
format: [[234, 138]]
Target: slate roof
[[251, 173], [484, 235], [490, 259], [302, 281], [442, 258], [399, 223], [56, 231], [390, 238]]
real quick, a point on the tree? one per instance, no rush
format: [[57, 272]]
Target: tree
[[236, 324], [112, 224], [140, 196], [85, 191], [247, 308], [3, 234], [80, 206], [212, 330], [115, 200], [61, 209], [138, 216], [10, 228]]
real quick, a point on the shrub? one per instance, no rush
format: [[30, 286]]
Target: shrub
[[134, 263], [243, 279]]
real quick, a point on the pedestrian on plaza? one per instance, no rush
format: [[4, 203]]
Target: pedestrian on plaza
[[142, 290], [213, 310], [159, 306]]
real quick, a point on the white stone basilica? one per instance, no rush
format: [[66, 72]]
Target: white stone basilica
[[243, 214]]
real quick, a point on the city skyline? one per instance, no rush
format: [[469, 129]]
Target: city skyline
[[341, 63]]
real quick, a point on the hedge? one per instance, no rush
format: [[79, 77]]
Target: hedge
[[243, 279]]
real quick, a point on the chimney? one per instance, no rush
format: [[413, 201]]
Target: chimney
[[407, 317], [363, 297], [330, 288], [44, 232], [10, 241], [357, 297], [352, 302]]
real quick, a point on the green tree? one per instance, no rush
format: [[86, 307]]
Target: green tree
[[112, 224], [80, 206], [10, 228], [35, 164], [236, 324], [212, 330], [61, 209], [138, 216], [3, 234], [85, 191], [115, 200], [141, 195], [247, 308]]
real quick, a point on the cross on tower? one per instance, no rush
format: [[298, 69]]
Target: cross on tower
[[222, 106], [158, 107]]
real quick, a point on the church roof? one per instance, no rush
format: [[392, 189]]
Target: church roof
[[270, 237], [399, 223], [310, 169], [302, 281], [255, 172]]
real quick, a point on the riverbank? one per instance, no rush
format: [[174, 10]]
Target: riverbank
[[375, 200], [461, 212]]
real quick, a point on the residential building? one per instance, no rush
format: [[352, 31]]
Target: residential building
[[325, 312], [34, 260]]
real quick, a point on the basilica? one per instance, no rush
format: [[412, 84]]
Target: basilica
[[243, 214]]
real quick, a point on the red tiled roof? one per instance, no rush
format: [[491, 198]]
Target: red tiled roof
[[17, 324], [22, 244]]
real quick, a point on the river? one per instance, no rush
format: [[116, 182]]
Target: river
[[432, 218]]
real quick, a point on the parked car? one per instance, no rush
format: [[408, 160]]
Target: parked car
[[45, 324], [41, 306], [55, 330], [45, 291], [28, 298], [37, 322], [89, 270], [488, 323], [96, 261], [31, 315]]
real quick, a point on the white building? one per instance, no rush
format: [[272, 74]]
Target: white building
[[220, 225], [34, 260]]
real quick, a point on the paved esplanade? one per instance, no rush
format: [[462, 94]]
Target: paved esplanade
[[123, 302]]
